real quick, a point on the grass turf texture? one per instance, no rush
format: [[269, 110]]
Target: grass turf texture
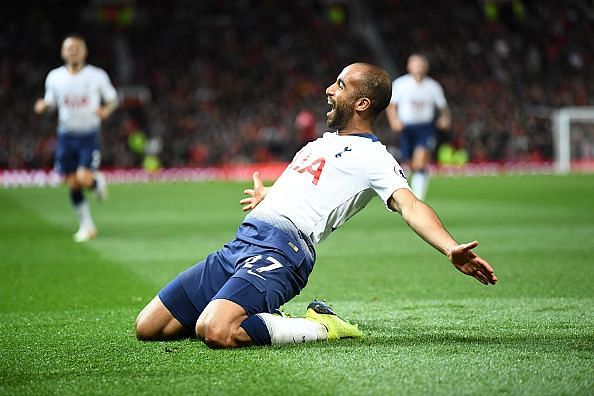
[[67, 310]]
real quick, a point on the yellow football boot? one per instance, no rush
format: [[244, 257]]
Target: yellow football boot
[[320, 312]]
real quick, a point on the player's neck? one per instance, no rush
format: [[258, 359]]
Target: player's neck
[[418, 77], [355, 130], [74, 68]]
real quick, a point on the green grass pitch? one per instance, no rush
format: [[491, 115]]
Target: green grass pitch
[[67, 310]]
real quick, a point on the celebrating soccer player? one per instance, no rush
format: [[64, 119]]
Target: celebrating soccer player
[[231, 298], [77, 90]]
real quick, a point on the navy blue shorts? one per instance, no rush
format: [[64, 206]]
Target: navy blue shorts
[[417, 135], [260, 270], [77, 150]]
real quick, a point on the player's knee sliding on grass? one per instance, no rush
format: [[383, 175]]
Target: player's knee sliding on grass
[[320, 324], [224, 324], [230, 298]]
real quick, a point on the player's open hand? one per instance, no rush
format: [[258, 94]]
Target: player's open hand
[[463, 258], [443, 123], [397, 126], [103, 113], [256, 194], [40, 106]]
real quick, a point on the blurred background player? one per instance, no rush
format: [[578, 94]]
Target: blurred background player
[[411, 113], [77, 90]]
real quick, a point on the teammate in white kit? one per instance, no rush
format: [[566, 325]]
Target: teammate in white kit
[[411, 112], [77, 91], [231, 298]]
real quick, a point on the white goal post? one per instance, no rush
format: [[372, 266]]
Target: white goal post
[[561, 120]]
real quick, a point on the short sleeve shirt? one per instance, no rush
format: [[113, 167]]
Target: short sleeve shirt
[[78, 96], [330, 180]]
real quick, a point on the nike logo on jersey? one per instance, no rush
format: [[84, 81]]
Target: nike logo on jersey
[[346, 149]]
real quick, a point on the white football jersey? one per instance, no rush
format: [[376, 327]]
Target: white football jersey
[[78, 96], [329, 181], [417, 100]]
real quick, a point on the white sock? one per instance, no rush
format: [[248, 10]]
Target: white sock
[[83, 211], [419, 183], [293, 330]]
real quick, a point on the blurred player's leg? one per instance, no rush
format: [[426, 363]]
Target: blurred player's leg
[[88, 168], [86, 230], [93, 180], [419, 181], [100, 186], [86, 177]]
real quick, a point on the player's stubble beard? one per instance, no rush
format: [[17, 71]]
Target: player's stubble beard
[[342, 115]]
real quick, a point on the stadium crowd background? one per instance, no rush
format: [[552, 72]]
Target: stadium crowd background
[[243, 81]]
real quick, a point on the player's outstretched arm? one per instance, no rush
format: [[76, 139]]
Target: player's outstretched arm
[[256, 195], [424, 221]]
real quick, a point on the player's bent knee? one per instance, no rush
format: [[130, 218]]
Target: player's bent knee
[[200, 328], [84, 178], [149, 329], [144, 330], [155, 322], [218, 339], [216, 335], [72, 182], [219, 325]]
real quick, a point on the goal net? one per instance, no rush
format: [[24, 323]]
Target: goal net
[[573, 137]]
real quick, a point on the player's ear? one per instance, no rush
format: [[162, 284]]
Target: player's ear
[[362, 104]]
